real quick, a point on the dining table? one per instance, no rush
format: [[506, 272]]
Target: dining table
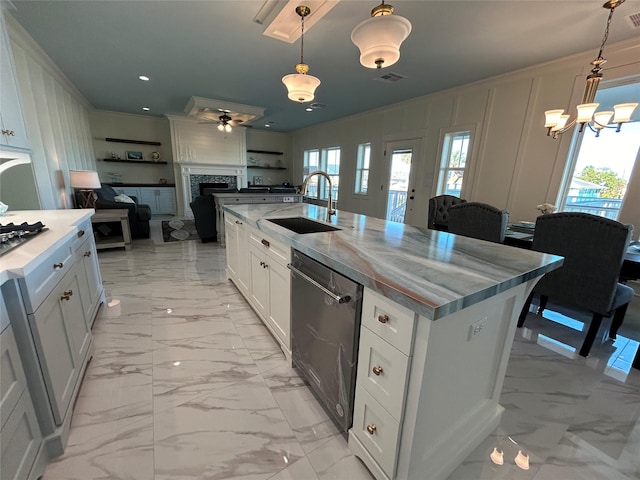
[[520, 234]]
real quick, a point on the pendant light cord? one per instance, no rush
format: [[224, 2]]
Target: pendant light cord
[[606, 34], [302, 40]]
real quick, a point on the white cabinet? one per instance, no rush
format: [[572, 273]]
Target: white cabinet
[[258, 267], [20, 436], [237, 253], [161, 200], [91, 289], [14, 132]]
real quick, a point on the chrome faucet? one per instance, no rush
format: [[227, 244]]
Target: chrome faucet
[[303, 190]]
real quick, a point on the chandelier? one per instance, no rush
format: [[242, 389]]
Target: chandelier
[[556, 122], [224, 125], [379, 38], [301, 86]]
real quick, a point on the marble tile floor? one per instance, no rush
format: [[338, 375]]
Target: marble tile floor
[[186, 383]]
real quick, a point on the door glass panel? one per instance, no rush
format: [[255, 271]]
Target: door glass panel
[[399, 184]]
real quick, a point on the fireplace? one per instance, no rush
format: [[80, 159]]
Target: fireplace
[[192, 175]]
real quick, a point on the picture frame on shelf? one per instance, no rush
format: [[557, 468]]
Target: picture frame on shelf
[[134, 155], [257, 180]]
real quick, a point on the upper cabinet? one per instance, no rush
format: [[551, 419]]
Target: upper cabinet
[[14, 132]]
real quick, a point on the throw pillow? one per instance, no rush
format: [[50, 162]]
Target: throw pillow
[[122, 198]]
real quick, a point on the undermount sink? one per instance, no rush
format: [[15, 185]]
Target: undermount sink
[[302, 225]]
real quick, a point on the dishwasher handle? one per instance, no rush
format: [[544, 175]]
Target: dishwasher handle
[[337, 298]]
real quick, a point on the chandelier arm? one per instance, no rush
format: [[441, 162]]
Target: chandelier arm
[[562, 130]]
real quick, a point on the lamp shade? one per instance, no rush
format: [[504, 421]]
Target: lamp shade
[[301, 87], [84, 179], [379, 39]]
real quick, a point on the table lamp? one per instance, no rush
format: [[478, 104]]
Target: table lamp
[[85, 181]]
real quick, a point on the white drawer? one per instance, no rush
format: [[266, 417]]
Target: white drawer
[[390, 321], [84, 231], [275, 249], [377, 430], [39, 283], [383, 371], [12, 379]]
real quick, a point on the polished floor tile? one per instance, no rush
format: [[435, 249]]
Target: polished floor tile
[[186, 383]]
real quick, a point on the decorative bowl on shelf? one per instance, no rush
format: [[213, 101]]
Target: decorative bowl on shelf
[[155, 156]]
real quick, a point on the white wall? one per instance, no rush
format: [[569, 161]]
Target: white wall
[[270, 142], [514, 164], [57, 120], [105, 124]]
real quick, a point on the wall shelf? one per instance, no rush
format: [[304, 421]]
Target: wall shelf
[[268, 152], [266, 168], [139, 142], [148, 162]]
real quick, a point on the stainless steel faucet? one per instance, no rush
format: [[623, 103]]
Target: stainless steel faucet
[[303, 190]]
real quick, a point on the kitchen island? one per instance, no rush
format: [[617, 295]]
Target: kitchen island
[[439, 315], [51, 289]]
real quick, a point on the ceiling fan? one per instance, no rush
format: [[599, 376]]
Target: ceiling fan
[[224, 121]]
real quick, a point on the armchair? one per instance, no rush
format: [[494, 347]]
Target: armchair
[[204, 216], [139, 214], [593, 248]]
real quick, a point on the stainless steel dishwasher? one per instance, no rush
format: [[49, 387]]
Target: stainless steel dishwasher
[[325, 329]]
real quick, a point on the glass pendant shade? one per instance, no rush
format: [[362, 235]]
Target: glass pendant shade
[[585, 112], [601, 119], [379, 39], [220, 127], [552, 117], [623, 112], [562, 121], [300, 86]]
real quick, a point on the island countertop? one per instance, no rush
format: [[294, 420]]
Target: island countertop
[[433, 273]]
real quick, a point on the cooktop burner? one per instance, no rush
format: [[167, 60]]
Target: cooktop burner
[[12, 236]]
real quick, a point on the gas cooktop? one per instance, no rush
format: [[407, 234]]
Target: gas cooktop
[[12, 236]]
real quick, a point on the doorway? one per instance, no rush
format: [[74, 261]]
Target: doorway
[[400, 182]]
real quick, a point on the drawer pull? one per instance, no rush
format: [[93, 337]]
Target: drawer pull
[[66, 295], [87, 253], [9, 133], [57, 266], [265, 242], [80, 233], [377, 370], [371, 429], [265, 265], [383, 318], [262, 264], [238, 222]]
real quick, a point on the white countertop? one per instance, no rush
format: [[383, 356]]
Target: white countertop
[[62, 225]]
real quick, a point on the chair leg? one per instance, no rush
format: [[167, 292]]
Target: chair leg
[[618, 318], [594, 326], [543, 304], [525, 310]]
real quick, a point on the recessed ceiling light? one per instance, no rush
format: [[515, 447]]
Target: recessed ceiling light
[[146, 109], [309, 109], [144, 78], [267, 125]]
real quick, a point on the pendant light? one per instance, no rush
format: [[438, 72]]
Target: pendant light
[[556, 122], [300, 86], [379, 37]]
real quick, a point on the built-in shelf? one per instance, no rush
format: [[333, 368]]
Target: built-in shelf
[[148, 162], [266, 168], [268, 152], [139, 142]]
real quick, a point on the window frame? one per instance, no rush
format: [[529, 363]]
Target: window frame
[[450, 132], [363, 165]]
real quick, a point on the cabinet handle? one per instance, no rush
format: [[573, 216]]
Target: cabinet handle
[[66, 295], [80, 233], [265, 265], [87, 253], [262, 264], [371, 429], [377, 370], [238, 222], [265, 242], [9, 133], [383, 318], [56, 266]]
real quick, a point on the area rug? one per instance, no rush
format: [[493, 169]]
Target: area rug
[[178, 230]]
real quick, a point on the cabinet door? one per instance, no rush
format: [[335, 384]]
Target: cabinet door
[[231, 241], [167, 201], [20, 440], [258, 278], [14, 132], [279, 315], [91, 292], [243, 256], [62, 339], [149, 196]]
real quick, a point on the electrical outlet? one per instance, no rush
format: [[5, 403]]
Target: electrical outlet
[[477, 327]]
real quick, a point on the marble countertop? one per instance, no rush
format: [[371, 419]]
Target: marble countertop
[[62, 225], [431, 272]]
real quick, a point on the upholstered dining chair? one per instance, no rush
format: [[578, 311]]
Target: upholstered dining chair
[[478, 220], [439, 211], [593, 248]]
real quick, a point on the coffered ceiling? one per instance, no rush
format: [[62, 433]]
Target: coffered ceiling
[[215, 50]]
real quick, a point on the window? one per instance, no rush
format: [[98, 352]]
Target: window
[[599, 168], [362, 168], [327, 160], [455, 149]]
